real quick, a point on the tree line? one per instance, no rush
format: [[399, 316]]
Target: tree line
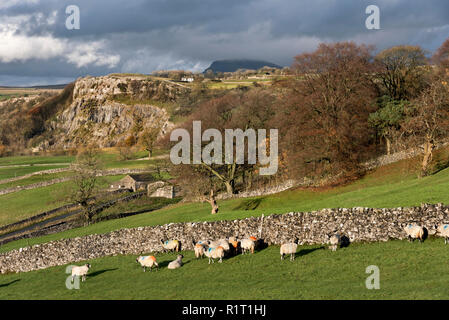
[[343, 106]]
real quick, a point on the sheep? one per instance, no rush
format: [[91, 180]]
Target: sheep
[[289, 248], [443, 231], [147, 261], [175, 264], [248, 244], [334, 241], [224, 243], [234, 244], [414, 231], [171, 245], [215, 253], [213, 244], [80, 271], [199, 248]]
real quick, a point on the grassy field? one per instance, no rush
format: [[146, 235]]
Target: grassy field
[[23, 204], [407, 271], [32, 160], [21, 165], [35, 179], [20, 205], [389, 186], [12, 172]]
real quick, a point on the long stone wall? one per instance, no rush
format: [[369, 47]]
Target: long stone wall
[[359, 224]]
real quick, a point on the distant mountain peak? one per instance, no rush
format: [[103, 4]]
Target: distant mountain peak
[[231, 65]]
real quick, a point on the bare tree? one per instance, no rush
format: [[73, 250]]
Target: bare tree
[[400, 71], [427, 120], [198, 184], [148, 139], [85, 183]]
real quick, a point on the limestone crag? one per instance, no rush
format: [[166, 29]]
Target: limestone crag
[[106, 110]]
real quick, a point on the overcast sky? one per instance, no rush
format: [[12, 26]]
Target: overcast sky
[[146, 35]]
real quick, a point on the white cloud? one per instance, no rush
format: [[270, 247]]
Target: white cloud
[[17, 45], [14, 47], [83, 54], [11, 3]]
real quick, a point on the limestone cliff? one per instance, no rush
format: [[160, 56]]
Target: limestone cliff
[[106, 110]]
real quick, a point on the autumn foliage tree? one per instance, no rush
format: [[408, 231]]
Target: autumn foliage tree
[[400, 71], [441, 56], [323, 123]]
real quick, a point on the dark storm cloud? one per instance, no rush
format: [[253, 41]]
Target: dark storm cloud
[[142, 36]]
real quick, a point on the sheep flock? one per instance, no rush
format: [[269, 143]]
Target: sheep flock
[[227, 247]]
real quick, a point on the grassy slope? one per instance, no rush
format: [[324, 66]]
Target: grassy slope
[[19, 160], [35, 179], [390, 186], [407, 271], [12, 172], [21, 205]]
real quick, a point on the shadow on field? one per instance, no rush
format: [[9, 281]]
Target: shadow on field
[[304, 252], [8, 284], [97, 273]]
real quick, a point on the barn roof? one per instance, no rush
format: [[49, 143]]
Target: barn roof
[[142, 177]]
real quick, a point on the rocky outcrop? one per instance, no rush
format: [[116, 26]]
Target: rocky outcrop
[[106, 110], [359, 224]]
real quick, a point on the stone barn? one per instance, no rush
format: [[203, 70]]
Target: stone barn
[[164, 189], [134, 182]]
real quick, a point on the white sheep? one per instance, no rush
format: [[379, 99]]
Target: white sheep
[[199, 248], [80, 271], [175, 264], [171, 245], [334, 241], [147, 262], [414, 231], [215, 253], [443, 231], [224, 243], [289, 248], [213, 243], [248, 244]]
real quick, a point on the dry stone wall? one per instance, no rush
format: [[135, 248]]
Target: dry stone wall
[[359, 224]]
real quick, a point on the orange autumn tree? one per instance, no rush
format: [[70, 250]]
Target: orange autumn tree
[[323, 120]]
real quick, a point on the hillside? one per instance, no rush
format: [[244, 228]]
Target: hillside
[[393, 185], [104, 110], [234, 65]]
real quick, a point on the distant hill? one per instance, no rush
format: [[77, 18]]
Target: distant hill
[[234, 65], [51, 86]]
